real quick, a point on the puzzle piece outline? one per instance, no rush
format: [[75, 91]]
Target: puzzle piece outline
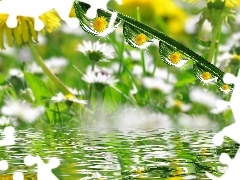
[[230, 131], [43, 170]]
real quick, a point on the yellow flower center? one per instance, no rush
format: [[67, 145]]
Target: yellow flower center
[[206, 76], [203, 150], [225, 87], [178, 103], [139, 171], [175, 57], [235, 57], [70, 97], [140, 39], [100, 24], [178, 171]]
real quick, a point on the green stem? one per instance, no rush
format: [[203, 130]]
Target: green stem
[[128, 98], [45, 69], [141, 51], [155, 67], [213, 43], [217, 46], [90, 89], [120, 55], [143, 63]]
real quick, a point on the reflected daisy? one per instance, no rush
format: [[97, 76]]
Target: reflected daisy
[[96, 51], [69, 99], [97, 24], [171, 56], [206, 78], [176, 59], [225, 88], [203, 74], [25, 31]]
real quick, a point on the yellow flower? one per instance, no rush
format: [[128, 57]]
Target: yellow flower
[[165, 10], [25, 32], [232, 3], [72, 12]]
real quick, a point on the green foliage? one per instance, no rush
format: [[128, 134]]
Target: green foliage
[[39, 88], [187, 78]]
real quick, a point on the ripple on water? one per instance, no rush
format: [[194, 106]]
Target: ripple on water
[[114, 154]]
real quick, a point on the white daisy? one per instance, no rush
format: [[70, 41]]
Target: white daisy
[[55, 64], [16, 72], [165, 75], [99, 77], [206, 98], [198, 121], [96, 51], [67, 98], [158, 84], [27, 94], [223, 60], [177, 103], [22, 110], [76, 92], [7, 120]]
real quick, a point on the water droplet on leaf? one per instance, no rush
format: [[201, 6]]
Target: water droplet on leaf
[[102, 25], [225, 88], [135, 37], [203, 74], [171, 55]]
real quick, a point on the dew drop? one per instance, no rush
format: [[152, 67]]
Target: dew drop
[[104, 23], [135, 37], [171, 55], [203, 74], [225, 88]]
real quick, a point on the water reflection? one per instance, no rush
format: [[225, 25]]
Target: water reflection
[[113, 154]]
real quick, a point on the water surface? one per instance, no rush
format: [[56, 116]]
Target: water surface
[[113, 154]]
